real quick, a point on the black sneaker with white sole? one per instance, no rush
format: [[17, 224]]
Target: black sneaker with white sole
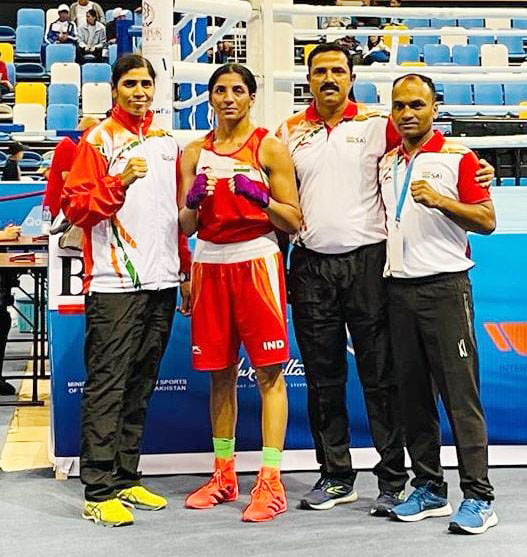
[[386, 501], [327, 493]]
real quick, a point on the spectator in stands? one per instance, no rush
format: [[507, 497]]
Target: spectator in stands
[[5, 85], [224, 51], [62, 30], [80, 9], [377, 51], [92, 38], [61, 164], [353, 46], [369, 21], [7, 281], [111, 26], [11, 170]]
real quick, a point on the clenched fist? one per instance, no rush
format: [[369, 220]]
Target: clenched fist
[[135, 168]]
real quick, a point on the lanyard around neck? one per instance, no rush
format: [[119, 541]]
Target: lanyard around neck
[[400, 197]]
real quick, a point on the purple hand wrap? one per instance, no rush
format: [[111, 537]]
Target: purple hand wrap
[[250, 190], [197, 192]]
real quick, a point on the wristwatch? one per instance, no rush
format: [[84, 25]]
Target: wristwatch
[[184, 277]]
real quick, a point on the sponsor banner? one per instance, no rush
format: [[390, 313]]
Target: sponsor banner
[[178, 416]]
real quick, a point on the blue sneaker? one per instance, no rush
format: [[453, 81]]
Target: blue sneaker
[[422, 503], [327, 493], [474, 516]]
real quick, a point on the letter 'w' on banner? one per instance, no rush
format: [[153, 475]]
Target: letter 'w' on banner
[[508, 336]]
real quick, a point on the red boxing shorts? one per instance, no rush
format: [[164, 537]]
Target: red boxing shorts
[[239, 302]]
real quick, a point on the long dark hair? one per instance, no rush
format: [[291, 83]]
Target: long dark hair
[[129, 62], [245, 73]]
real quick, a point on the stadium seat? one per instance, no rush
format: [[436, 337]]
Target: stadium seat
[[514, 45], [59, 53], [489, 93], [96, 73], [436, 54], [472, 23], [30, 160], [29, 70], [519, 23], [458, 93], [32, 117], [66, 73], [63, 93], [52, 14], [408, 53], [112, 54], [494, 55], [3, 159], [30, 16], [11, 73], [403, 39], [30, 93], [62, 117], [515, 92], [96, 99], [7, 34], [29, 39], [452, 40], [437, 23], [420, 40], [413, 23], [138, 18], [467, 55], [480, 40], [497, 23], [7, 52], [6, 112], [365, 92]]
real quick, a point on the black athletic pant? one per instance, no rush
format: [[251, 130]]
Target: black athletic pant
[[327, 293], [126, 337], [431, 324]]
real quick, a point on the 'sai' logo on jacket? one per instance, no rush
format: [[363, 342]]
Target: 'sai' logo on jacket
[[509, 336]]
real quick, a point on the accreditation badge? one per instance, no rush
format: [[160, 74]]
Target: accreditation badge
[[395, 248]]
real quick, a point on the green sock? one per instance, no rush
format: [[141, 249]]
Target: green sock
[[223, 448], [272, 458]]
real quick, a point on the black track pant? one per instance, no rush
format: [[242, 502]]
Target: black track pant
[[329, 292], [431, 323], [126, 336]]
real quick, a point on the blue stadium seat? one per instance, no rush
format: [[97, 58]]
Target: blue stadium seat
[[467, 55], [31, 16], [413, 23], [438, 23], [3, 159], [458, 93], [59, 53], [489, 93], [29, 70], [112, 54], [96, 73], [471, 23], [29, 39], [11, 73], [523, 181], [30, 160], [479, 40], [436, 54], [420, 40], [138, 18], [63, 93], [514, 45], [7, 34], [365, 92], [62, 117], [515, 92], [519, 23], [407, 53]]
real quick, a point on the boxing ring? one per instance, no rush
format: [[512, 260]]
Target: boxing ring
[[178, 436]]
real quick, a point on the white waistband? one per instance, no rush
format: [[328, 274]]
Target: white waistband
[[209, 252]]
